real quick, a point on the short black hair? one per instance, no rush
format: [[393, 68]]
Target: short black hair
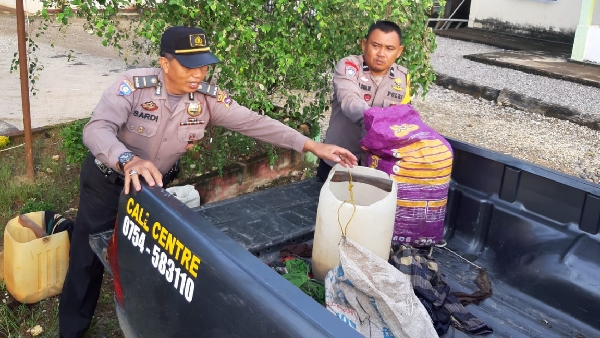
[[168, 56], [386, 27]]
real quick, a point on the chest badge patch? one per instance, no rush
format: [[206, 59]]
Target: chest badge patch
[[140, 130], [126, 88], [398, 85], [194, 109], [150, 105], [367, 97]]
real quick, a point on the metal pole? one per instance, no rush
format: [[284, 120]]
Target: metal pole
[[21, 36]]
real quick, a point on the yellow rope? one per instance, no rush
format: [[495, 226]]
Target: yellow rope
[[350, 185]]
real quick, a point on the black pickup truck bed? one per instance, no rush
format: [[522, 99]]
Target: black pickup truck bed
[[534, 230]]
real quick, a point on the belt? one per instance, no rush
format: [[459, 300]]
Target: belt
[[116, 178], [111, 175]]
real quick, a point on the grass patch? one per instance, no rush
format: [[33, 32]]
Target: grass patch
[[55, 183], [55, 187], [17, 318]]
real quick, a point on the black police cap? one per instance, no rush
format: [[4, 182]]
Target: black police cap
[[188, 45]]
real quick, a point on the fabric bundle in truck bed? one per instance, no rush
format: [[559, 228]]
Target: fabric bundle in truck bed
[[419, 159]]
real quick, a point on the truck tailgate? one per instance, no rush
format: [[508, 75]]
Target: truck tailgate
[[186, 278]]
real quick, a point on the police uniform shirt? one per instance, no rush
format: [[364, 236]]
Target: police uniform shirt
[[139, 120], [354, 91]]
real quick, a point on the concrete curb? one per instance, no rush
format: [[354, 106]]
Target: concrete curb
[[513, 99], [15, 132], [481, 58], [7, 128], [466, 87]]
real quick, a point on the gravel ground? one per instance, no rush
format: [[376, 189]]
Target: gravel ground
[[557, 144], [448, 59], [553, 143]]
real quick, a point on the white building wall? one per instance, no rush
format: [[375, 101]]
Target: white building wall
[[592, 45], [553, 16], [30, 6]]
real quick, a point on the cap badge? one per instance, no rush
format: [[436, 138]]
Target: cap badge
[[197, 40], [151, 106], [194, 109]]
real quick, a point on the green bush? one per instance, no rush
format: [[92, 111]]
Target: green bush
[[33, 204], [75, 150], [274, 52]]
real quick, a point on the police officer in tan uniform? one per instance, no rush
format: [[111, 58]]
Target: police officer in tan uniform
[[364, 81], [142, 125]]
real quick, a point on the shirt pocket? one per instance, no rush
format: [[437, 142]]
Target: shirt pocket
[[387, 103], [190, 133], [142, 129]]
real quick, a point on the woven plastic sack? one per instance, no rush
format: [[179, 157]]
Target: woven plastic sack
[[419, 159], [186, 194], [374, 297]]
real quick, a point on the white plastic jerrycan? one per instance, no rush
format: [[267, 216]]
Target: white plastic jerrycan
[[369, 222]]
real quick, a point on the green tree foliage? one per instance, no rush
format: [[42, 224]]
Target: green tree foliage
[[277, 55]]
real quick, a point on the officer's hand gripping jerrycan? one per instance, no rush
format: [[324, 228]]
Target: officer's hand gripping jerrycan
[[365, 213]]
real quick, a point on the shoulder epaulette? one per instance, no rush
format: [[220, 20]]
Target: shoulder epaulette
[[145, 81], [402, 69], [207, 89]]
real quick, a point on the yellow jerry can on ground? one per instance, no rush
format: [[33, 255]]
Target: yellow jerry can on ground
[[34, 268]]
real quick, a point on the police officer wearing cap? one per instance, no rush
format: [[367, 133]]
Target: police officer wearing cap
[[142, 125], [364, 81]]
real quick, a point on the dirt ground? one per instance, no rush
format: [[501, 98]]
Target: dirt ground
[[76, 71]]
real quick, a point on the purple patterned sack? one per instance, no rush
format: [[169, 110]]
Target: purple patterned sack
[[420, 161]]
